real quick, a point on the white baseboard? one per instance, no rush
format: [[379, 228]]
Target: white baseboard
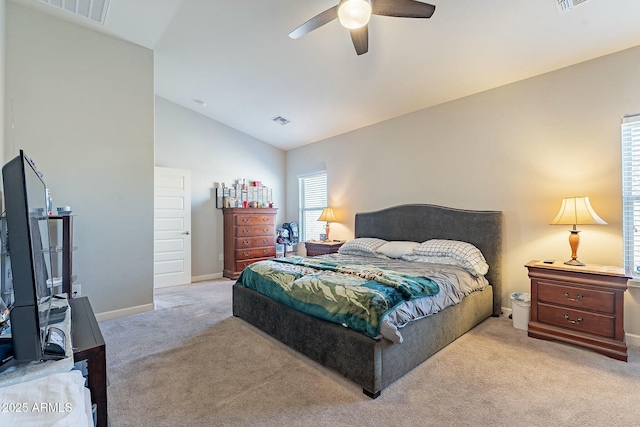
[[206, 277], [108, 315], [632, 339]]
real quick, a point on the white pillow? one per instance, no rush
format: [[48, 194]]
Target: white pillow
[[397, 248], [364, 246], [465, 254]]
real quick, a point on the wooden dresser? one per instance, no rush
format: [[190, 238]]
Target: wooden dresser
[[249, 236], [579, 305]]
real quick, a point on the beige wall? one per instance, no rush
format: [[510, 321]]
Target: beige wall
[[82, 106], [519, 148], [213, 153]]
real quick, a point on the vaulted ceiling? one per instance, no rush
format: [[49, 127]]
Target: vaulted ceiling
[[236, 57]]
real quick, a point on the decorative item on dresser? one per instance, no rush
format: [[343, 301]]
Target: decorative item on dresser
[[579, 305], [323, 248], [249, 236]]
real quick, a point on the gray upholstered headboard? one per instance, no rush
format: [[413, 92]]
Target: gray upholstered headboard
[[420, 222]]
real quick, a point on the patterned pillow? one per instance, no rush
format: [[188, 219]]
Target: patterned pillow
[[397, 248], [465, 254], [364, 246]]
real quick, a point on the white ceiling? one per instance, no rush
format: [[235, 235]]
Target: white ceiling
[[235, 55]]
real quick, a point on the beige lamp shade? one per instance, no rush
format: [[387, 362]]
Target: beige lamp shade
[[577, 211], [327, 215]]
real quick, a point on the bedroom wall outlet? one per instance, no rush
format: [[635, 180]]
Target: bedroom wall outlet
[[76, 291], [221, 257]]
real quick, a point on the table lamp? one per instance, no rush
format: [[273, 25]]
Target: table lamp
[[327, 215], [576, 211]]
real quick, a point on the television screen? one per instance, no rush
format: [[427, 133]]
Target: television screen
[[29, 256]]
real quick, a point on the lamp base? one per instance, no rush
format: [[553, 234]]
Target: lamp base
[[574, 262]]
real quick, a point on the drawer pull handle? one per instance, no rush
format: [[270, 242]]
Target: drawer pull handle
[[246, 219], [246, 242], [246, 253], [577, 298], [575, 322], [246, 231]]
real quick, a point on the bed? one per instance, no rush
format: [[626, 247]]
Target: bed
[[376, 363]]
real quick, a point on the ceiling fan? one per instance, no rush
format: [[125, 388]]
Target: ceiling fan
[[355, 14]]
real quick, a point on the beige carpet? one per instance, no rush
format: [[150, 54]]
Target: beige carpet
[[190, 363]]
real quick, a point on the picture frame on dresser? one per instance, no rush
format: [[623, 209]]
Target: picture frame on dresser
[[580, 305]]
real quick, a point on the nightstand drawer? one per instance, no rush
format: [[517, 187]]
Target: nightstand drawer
[[583, 321], [580, 298]]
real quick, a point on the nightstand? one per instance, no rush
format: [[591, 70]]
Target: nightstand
[[579, 305], [323, 247]]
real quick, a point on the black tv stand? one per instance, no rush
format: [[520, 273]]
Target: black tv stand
[[88, 344]]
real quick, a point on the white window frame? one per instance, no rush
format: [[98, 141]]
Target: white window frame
[[630, 144], [313, 190]]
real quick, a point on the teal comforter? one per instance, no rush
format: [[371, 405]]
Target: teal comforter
[[355, 295]]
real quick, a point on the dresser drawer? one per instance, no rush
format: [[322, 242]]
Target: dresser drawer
[[584, 321], [579, 298], [255, 230], [240, 265], [255, 219], [255, 242], [242, 254]]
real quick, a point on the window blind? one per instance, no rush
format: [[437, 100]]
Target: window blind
[[630, 136], [313, 198]]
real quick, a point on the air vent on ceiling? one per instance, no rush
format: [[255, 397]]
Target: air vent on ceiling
[[93, 10], [280, 120], [567, 5]]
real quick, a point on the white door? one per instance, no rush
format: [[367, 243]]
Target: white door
[[172, 227]]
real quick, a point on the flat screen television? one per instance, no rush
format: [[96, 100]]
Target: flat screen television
[[29, 257]]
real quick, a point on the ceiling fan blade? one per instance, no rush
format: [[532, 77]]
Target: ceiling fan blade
[[315, 22], [402, 8], [360, 38]]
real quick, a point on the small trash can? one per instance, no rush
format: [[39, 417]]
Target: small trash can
[[520, 310]]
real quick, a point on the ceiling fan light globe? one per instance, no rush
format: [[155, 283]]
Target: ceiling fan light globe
[[354, 14]]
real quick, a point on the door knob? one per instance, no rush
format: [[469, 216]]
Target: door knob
[[185, 232]]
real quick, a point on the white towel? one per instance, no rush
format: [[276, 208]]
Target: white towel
[[57, 400]]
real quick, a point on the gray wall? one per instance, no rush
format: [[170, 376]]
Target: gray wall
[[82, 104], [519, 148], [3, 27], [214, 153]]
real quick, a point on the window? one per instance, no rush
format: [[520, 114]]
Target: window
[[313, 198], [631, 192]]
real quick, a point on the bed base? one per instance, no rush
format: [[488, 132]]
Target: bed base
[[372, 364]]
